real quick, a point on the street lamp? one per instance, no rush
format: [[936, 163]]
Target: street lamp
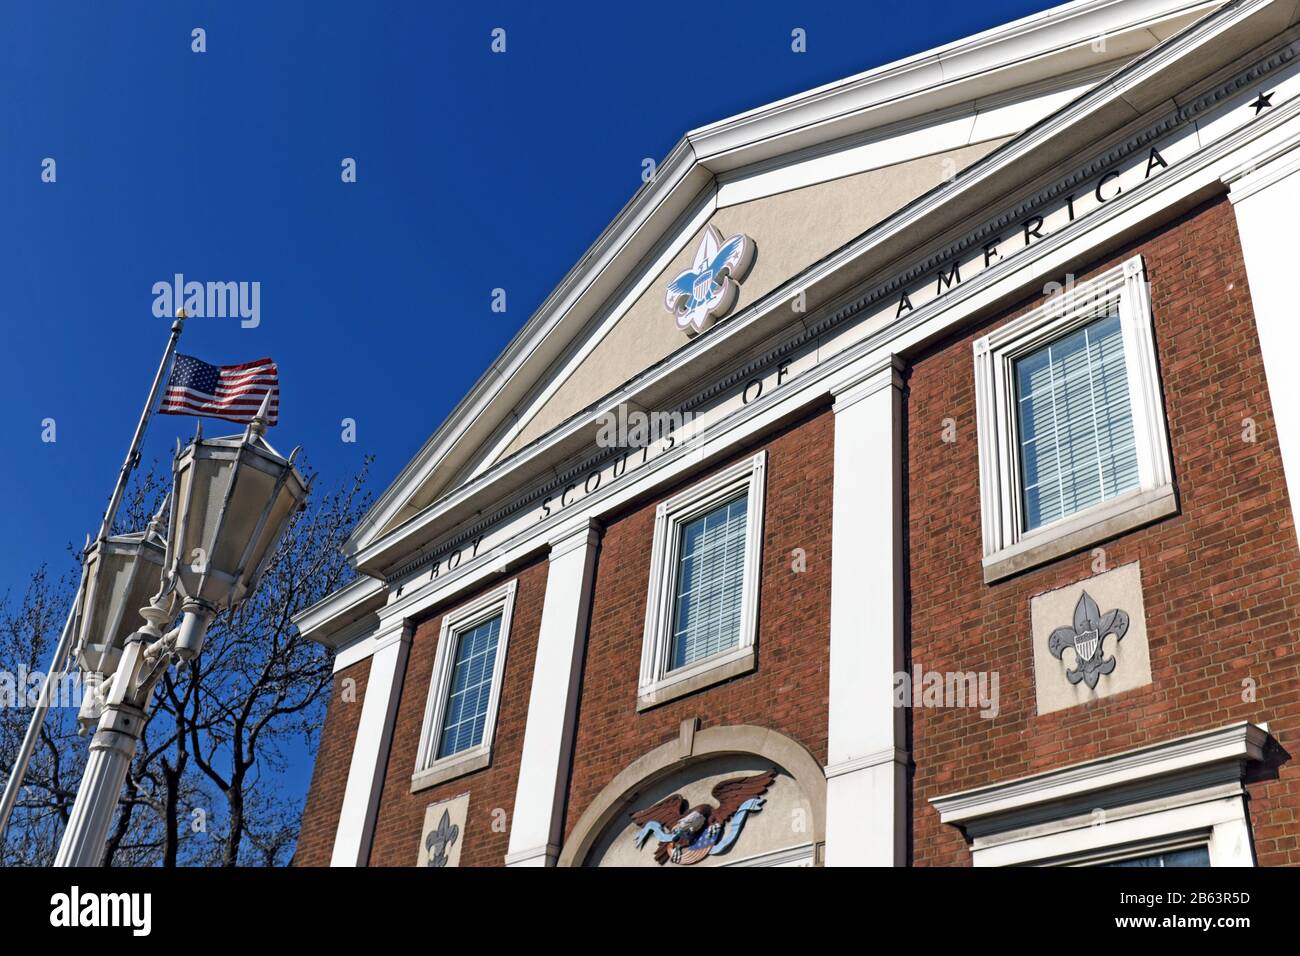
[[121, 572], [231, 500]]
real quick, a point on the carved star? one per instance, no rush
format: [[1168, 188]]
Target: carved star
[[1262, 102]]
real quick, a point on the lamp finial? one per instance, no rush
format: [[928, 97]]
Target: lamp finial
[[258, 425]]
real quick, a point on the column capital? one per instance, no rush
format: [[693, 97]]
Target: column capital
[[396, 628], [1273, 163], [866, 380], [584, 534], [544, 855]]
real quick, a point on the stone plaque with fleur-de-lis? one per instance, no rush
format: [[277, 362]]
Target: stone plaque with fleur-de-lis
[[444, 832], [1090, 639]]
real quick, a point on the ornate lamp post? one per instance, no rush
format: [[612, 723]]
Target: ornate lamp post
[[120, 574], [231, 500]]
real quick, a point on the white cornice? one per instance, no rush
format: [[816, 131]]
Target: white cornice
[[1017, 54], [1049, 43], [1169, 765], [335, 619]]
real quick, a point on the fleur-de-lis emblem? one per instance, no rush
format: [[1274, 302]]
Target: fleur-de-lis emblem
[[439, 841], [708, 290], [1087, 637]]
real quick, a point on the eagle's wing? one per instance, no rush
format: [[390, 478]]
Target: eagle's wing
[[665, 813], [681, 287], [730, 794], [728, 256]]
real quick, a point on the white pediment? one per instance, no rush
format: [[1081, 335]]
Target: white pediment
[[799, 179]]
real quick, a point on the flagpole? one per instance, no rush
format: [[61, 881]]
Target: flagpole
[[64, 647]]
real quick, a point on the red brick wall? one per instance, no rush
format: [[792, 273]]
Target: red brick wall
[[320, 814], [788, 690], [1221, 579], [401, 813]]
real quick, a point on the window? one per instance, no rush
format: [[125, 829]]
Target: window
[[1179, 802], [1075, 423], [471, 683], [1072, 436], [702, 609], [710, 580], [465, 689], [1192, 856]]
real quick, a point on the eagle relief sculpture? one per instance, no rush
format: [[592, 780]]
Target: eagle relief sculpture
[[688, 834]]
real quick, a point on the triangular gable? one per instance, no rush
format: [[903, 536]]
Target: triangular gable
[[790, 231], [607, 322]]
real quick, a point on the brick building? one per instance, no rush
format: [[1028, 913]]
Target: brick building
[[900, 479]]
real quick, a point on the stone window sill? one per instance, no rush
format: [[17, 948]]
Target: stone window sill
[[449, 769], [705, 674], [1099, 523]]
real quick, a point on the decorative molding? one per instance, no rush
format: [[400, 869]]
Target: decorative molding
[[888, 374], [801, 856], [1170, 766], [587, 535], [543, 855], [1264, 170], [341, 615], [890, 755]]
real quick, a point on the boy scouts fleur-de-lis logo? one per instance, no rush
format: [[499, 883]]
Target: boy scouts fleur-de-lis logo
[[439, 841], [1087, 637], [707, 291]]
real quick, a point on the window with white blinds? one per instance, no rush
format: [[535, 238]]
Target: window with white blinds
[[1073, 439], [470, 688], [1076, 437], [464, 698], [710, 583], [701, 621]]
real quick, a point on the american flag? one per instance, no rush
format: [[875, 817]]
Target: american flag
[[232, 392]]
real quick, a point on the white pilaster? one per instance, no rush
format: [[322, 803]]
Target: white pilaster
[[1266, 197], [866, 772], [370, 751], [537, 828]]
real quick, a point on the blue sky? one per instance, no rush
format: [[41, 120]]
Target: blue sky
[[475, 171]]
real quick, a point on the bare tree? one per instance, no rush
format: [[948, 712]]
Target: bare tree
[[30, 625]]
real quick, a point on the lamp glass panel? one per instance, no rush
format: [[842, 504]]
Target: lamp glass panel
[[251, 495], [201, 493], [281, 510]]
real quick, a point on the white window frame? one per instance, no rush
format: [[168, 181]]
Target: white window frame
[[428, 769], [1008, 548], [1178, 793], [657, 683]]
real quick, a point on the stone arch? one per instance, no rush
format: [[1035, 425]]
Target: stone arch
[[676, 755]]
